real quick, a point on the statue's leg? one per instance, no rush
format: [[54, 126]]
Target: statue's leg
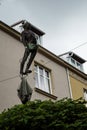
[[26, 54], [33, 54]]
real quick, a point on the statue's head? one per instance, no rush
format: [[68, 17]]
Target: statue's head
[[26, 25]]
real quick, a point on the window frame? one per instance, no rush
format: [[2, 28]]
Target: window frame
[[85, 94], [44, 77]]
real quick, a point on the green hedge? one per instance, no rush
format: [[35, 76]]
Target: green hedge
[[65, 114]]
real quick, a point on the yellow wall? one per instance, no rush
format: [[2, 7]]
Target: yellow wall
[[77, 88]]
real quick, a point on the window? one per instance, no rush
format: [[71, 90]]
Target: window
[[85, 94], [42, 79], [76, 64], [39, 39], [72, 61]]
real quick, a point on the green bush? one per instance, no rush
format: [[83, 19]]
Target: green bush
[[64, 114]]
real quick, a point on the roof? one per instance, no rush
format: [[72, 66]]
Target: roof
[[74, 56], [33, 28], [9, 30]]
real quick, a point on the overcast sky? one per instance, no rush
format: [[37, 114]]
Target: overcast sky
[[63, 21]]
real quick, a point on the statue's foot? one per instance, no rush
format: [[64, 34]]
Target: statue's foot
[[27, 71]]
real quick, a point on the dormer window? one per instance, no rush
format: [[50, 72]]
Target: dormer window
[[39, 39], [74, 60], [19, 27], [76, 63]]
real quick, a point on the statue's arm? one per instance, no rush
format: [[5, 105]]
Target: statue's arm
[[23, 38]]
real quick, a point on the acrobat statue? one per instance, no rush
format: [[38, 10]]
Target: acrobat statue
[[30, 42]]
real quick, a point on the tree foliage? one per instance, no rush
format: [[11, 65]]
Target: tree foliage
[[64, 114]]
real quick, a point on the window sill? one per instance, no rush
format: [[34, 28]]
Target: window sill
[[45, 93]]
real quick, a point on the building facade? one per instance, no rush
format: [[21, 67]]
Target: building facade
[[48, 79], [52, 77]]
